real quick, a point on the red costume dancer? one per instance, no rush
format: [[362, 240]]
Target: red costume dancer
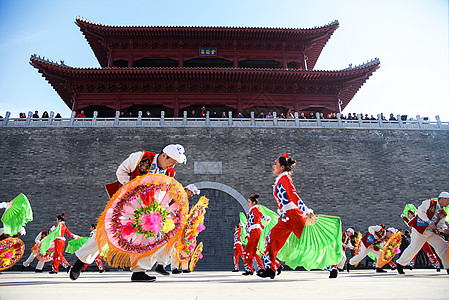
[[293, 213], [429, 221], [98, 262], [253, 230], [238, 248], [58, 256], [426, 247]]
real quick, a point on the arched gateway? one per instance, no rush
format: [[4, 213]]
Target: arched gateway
[[225, 204]]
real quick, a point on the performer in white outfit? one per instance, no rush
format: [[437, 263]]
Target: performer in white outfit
[[40, 264], [371, 242], [137, 164], [425, 226], [346, 242]]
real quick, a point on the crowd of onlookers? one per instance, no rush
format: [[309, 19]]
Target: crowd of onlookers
[[216, 114]]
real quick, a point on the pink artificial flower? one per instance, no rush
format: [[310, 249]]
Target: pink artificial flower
[[191, 247], [200, 256], [201, 227], [8, 255], [397, 250], [152, 222], [128, 229]]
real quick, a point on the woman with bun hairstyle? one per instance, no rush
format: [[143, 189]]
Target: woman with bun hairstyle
[[58, 256], [293, 213], [253, 230]]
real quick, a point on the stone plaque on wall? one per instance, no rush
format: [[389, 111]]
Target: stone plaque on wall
[[207, 167]]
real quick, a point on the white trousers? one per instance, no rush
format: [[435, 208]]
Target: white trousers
[[89, 251], [416, 243], [160, 256], [342, 262], [40, 264], [363, 253]]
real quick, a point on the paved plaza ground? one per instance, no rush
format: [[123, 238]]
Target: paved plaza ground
[[359, 284]]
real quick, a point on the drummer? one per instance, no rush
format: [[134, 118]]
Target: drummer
[[137, 164]]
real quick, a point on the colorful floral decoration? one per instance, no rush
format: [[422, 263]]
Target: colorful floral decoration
[[196, 256], [11, 251], [390, 249], [142, 216], [358, 244], [194, 225], [48, 256]]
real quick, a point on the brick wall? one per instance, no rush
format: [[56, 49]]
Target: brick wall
[[364, 176]]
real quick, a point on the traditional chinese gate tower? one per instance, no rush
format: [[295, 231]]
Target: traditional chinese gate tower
[[179, 68]]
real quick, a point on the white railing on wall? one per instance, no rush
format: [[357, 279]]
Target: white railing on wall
[[230, 121]]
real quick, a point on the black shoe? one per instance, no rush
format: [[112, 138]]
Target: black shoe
[[160, 269], [279, 270], [186, 271], [23, 268], [76, 269], [101, 271], [247, 273], [52, 272], [142, 277], [348, 266], [400, 269], [235, 270], [409, 267], [333, 274], [438, 270], [267, 273], [38, 271], [447, 270], [380, 270], [176, 271]]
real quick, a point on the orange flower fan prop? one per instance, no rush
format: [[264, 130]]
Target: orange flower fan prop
[[141, 217], [390, 249]]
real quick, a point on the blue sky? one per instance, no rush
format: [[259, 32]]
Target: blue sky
[[410, 37]]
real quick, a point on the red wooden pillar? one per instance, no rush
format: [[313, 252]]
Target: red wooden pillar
[[176, 107]]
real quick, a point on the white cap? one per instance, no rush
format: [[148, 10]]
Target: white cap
[[193, 188], [350, 230], [444, 195], [176, 152], [392, 229]]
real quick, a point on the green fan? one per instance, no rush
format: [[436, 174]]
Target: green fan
[[74, 245], [243, 222], [46, 243], [274, 219], [320, 245], [16, 216]]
